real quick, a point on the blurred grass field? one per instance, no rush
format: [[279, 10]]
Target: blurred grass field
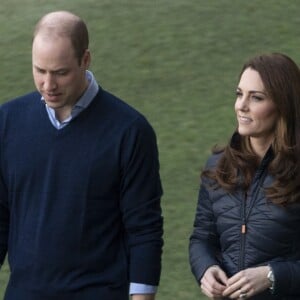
[[176, 61]]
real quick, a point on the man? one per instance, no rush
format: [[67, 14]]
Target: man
[[80, 214]]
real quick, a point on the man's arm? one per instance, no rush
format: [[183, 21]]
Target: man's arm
[[4, 221], [140, 204]]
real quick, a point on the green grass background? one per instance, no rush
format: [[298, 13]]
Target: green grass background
[[177, 61]]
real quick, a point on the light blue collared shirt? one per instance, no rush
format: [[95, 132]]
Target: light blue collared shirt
[[83, 102]]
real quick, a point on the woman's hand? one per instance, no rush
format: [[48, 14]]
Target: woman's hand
[[213, 282], [247, 283]]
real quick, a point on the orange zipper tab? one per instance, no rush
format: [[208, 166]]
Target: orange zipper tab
[[244, 228]]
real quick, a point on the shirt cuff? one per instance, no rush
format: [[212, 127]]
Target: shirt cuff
[[140, 288]]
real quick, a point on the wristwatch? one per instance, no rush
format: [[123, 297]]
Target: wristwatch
[[271, 278]]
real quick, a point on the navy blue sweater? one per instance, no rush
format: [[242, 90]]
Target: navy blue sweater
[[80, 212]]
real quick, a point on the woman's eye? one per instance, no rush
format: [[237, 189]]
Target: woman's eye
[[238, 94], [257, 98]]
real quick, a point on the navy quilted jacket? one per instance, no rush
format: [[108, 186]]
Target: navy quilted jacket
[[242, 230]]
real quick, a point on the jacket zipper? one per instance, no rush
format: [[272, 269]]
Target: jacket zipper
[[244, 218], [243, 233]]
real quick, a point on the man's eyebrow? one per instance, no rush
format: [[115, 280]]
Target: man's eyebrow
[[51, 71]]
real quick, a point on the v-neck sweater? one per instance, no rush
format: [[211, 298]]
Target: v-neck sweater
[[80, 211]]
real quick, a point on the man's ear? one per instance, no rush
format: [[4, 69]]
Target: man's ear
[[86, 59]]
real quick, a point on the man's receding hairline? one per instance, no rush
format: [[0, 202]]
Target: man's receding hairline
[[64, 24], [56, 23], [57, 15]]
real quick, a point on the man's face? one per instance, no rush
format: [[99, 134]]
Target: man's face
[[57, 74]]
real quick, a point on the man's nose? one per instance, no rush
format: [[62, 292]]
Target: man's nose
[[49, 82]]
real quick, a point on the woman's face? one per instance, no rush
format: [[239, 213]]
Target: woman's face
[[255, 110]]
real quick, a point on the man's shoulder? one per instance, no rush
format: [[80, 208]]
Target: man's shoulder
[[21, 102], [118, 109], [117, 104]]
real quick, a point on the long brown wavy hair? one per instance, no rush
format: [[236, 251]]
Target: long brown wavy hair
[[281, 78]]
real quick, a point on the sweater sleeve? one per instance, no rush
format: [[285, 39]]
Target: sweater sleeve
[[140, 202], [4, 221], [204, 242]]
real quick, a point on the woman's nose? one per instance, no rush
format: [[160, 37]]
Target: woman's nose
[[242, 103]]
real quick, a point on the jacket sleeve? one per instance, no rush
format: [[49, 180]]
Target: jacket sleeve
[[141, 192], [287, 277], [204, 247]]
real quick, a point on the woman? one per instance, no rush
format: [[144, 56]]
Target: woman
[[246, 238]]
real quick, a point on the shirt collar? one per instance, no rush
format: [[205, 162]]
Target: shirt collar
[[89, 93], [83, 102]]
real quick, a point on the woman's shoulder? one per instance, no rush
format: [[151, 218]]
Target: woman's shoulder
[[213, 160]]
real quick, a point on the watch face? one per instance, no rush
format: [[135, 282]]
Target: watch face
[[271, 276]]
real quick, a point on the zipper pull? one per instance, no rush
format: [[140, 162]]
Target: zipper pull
[[243, 229]]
